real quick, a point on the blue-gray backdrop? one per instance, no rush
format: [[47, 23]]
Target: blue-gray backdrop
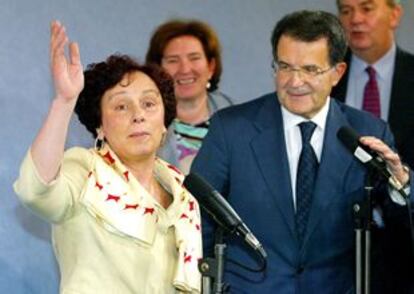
[[103, 27]]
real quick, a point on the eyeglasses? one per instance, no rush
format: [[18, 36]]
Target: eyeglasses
[[307, 71]]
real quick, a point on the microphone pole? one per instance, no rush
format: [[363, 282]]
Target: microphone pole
[[213, 268], [362, 211], [363, 220]]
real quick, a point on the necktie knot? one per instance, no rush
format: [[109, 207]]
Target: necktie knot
[[306, 129], [371, 72]]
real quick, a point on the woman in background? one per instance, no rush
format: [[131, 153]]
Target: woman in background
[[122, 222], [190, 52]]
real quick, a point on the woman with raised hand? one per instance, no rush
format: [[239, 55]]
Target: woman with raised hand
[[121, 220]]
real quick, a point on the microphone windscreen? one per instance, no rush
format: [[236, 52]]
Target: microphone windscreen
[[197, 186], [212, 201], [349, 138]]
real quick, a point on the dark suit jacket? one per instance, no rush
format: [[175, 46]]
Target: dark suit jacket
[[244, 157], [401, 113], [396, 241]]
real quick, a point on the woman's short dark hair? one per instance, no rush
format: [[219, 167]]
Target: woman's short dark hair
[[180, 27], [309, 26], [102, 76]]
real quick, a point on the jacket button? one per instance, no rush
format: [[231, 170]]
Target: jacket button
[[300, 270]]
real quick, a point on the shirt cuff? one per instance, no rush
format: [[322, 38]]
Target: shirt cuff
[[396, 197]]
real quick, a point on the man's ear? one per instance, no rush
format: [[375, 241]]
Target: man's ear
[[339, 71], [396, 15]]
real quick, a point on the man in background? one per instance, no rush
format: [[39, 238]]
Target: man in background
[[370, 29], [379, 80]]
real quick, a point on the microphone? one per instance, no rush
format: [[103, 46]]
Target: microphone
[[220, 210], [367, 156]]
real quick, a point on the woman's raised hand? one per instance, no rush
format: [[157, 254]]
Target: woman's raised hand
[[67, 73]]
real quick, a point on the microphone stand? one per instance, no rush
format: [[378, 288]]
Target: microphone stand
[[213, 268], [363, 220]]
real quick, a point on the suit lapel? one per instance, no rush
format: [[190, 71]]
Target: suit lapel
[[270, 153], [395, 88], [402, 77], [335, 161]]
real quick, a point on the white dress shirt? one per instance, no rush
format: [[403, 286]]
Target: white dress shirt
[[293, 139]]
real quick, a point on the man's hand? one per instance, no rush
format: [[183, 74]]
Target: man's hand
[[391, 158]]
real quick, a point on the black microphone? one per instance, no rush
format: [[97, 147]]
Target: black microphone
[[220, 210], [367, 156]]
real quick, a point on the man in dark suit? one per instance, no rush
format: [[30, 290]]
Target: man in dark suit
[[370, 29], [279, 163]]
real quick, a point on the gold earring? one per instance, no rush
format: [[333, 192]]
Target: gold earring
[[99, 140]]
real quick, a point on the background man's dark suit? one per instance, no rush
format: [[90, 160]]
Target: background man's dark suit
[[398, 259]]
